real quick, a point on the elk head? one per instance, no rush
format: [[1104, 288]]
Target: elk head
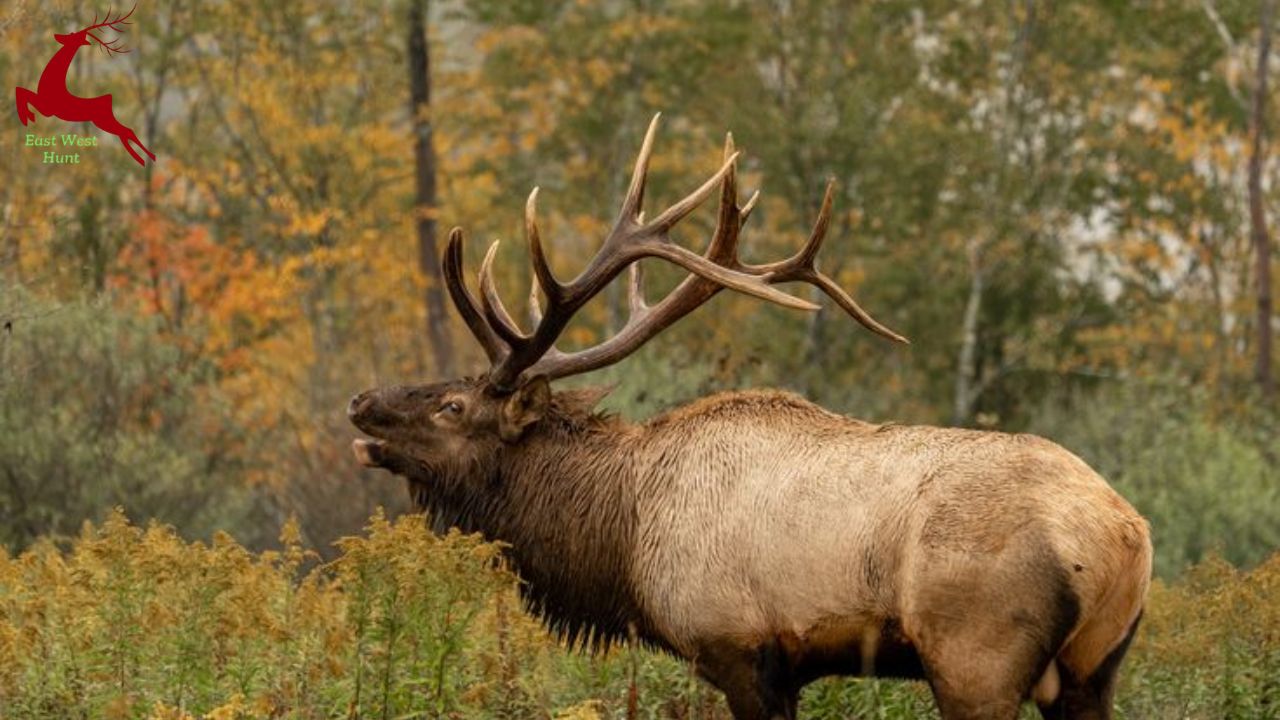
[[467, 423]]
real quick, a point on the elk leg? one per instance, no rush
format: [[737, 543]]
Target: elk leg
[[128, 138], [25, 99], [125, 142], [133, 138], [982, 667], [756, 682], [989, 624], [978, 680], [1092, 698]]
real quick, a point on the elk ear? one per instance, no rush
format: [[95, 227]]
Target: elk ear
[[524, 407]]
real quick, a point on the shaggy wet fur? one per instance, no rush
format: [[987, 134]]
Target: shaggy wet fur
[[572, 537]]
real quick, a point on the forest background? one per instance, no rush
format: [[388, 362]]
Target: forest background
[[1064, 205]]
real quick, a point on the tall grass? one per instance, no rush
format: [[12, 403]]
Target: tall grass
[[130, 622]]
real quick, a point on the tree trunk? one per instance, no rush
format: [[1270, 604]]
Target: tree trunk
[[967, 367], [424, 210], [1257, 213], [1221, 334], [968, 386]]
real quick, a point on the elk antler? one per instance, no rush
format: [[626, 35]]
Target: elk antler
[[512, 352], [112, 47]]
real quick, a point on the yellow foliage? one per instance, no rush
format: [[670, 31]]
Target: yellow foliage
[[234, 709], [162, 711], [589, 710], [217, 631]]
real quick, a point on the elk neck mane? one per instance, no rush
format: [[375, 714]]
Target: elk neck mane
[[562, 501]]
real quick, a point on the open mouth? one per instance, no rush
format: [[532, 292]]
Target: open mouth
[[382, 455], [369, 453]]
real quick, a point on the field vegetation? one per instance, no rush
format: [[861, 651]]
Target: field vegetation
[[131, 622]]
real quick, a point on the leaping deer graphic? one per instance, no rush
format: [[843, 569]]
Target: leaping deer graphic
[[53, 99]]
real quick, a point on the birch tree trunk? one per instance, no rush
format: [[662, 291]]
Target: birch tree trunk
[[967, 364]]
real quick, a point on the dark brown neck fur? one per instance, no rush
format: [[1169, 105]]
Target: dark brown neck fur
[[562, 499]]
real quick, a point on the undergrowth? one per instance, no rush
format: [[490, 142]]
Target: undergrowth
[[131, 622]]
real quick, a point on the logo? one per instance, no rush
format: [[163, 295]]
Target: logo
[[53, 99]]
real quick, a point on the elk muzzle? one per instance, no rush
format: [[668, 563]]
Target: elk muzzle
[[371, 412]]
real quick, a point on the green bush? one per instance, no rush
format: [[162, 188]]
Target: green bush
[[96, 410], [1204, 485]]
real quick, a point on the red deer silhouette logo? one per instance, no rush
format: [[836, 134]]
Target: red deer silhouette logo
[[53, 99]]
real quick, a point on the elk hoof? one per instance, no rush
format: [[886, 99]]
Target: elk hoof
[[368, 452]]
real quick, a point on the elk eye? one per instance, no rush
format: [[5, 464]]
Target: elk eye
[[453, 407]]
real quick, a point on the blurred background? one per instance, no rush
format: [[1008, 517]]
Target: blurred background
[[1062, 204]]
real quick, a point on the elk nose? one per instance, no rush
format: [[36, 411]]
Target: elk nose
[[359, 404]]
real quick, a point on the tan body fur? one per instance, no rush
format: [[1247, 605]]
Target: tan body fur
[[764, 516]]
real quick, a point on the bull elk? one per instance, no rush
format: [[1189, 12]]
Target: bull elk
[[760, 537]]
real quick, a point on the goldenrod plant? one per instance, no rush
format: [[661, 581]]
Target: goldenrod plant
[[133, 622]]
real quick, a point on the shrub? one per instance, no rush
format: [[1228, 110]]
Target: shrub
[[1204, 485], [97, 411]]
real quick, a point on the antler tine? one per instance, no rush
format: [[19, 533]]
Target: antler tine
[[109, 23], [809, 251], [633, 202], [723, 247], [801, 268], [535, 307], [494, 311], [731, 186], [747, 283], [674, 214], [110, 47], [465, 302], [849, 305], [751, 205], [635, 290], [541, 270]]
